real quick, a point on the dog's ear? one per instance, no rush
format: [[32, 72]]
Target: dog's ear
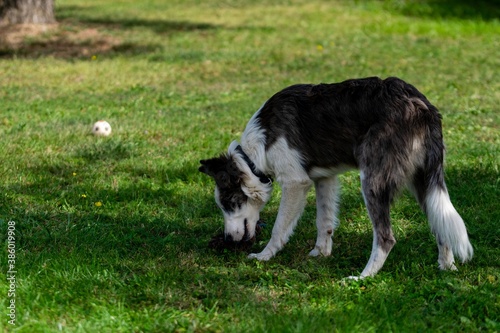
[[212, 166], [222, 169], [206, 167]]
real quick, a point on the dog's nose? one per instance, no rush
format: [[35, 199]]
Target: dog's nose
[[228, 238]]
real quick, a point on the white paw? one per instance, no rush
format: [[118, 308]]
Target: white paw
[[448, 266], [355, 278], [263, 256], [325, 251], [314, 252]]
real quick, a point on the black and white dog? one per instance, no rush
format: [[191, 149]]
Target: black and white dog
[[308, 134]]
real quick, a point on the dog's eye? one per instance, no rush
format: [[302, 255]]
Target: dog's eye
[[231, 200]]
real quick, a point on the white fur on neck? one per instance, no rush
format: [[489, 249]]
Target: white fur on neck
[[253, 142], [251, 185]]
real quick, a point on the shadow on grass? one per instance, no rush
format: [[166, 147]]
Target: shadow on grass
[[90, 15], [448, 9], [69, 42], [59, 209], [83, 34], [139, 221]]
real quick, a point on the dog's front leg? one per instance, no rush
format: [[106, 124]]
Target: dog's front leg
[[327, 193], [293, 200]]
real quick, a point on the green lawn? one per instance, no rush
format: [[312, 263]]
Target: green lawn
[[111, 234]]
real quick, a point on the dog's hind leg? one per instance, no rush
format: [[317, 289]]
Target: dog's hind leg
[[378, 195], [293, 200], [327, 193]]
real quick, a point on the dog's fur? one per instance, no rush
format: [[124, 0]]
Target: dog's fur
[[308, 134]]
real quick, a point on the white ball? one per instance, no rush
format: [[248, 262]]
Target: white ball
[[101, 128]]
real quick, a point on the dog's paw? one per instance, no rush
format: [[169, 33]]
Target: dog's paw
[[447, 266], [355, 278], [314, 252], [317, 251], [262, 256]]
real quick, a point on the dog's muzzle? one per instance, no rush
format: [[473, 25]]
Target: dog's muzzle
[[246, 235]]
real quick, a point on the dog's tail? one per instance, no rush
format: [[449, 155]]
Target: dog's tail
[[447, 226], [445, 222]]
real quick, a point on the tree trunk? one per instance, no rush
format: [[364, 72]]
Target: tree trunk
[[27, 11]]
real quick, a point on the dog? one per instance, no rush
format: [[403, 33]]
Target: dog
[[309, 134]]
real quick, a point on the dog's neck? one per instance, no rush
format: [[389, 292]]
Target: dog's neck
[[262, 177]]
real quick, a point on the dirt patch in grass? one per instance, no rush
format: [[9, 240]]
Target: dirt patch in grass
[[57, 40]]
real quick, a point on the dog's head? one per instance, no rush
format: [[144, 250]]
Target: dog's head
[[239, 192]]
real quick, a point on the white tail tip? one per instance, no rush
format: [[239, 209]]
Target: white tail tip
[[447, 225]]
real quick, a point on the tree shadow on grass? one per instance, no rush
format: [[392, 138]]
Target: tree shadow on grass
[[449, 9], [142, 214], [139, 221], [84, 33], [80, 34], [90, 15], [77, 42]]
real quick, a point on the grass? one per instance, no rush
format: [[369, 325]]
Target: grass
[[112, 233]]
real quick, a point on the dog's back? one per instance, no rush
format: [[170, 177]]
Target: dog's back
[[328, 122]]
